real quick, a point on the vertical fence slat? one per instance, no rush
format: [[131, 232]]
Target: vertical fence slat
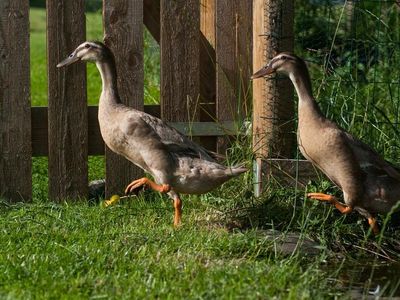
[[68, 135], [15, 119], [273, 108], [123, 26], [207, 57], [180, 86], [207, 20], [233, 56]]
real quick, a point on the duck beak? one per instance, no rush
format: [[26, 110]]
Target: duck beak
[[69, 60], [263, 72]]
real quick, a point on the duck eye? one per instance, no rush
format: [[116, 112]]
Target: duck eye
[[283, 57], [87, 46], [71, 55]]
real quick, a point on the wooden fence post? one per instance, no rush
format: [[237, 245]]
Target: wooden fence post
[[233, 60], [273, 108], [123, 28], [180, 60], [68, 133], [15, 113]]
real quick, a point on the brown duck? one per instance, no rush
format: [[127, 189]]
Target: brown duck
[[370, 184], [177, 164]]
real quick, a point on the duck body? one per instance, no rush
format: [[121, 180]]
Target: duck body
[[160, 150], [370, 184], [319, 140], [177, 164]]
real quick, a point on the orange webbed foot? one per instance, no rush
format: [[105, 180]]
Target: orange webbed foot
[[332, 200], [162, 188]]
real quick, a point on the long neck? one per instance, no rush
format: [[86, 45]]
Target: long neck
[[108, 74], [307, 107]]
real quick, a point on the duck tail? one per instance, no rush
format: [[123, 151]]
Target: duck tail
[[237, 169]]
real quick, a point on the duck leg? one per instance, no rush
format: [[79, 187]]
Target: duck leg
[[178, 211], [343, 209], [162, 188], [332, 200]]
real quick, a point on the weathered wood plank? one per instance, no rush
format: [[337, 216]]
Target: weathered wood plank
[[233, 55], [95, 142], [68, 135], [273, 107], [207, 20], [180, 28], [123, 27], [207, 57], [15, 122], [290, 172]]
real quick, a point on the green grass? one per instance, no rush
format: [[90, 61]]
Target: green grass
[[80, 251], [131, 251]]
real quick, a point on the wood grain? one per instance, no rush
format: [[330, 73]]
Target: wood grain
[[67, 114], [123, 28], [207, 20], [15, 131], [273, 114], [180, 85], [233, 55], [273, 106]]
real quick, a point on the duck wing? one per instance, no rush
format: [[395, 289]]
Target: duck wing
[[369, 159], [175, 141]]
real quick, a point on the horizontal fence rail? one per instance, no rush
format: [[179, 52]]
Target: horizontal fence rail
[[95, 142]]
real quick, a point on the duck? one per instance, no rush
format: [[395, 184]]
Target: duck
[[176, 163], [370, 184]]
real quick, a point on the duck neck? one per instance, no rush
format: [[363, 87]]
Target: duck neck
[[307, 107], [108, 73]]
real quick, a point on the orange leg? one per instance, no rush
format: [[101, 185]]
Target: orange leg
[[332, 200], [162, 188], [178, 211], [343, 209], [374, 226]]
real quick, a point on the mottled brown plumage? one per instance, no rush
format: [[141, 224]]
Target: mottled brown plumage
[[177, 164], [370, 184]]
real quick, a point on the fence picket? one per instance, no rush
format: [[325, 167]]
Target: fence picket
[[68, 133], [15, 118], [123, 27], [233, 55], [180, 64]]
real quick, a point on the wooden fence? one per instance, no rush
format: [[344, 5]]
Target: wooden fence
[[209, 68]]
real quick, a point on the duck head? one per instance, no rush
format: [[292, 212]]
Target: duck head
[[285, 62], [87, 51]]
